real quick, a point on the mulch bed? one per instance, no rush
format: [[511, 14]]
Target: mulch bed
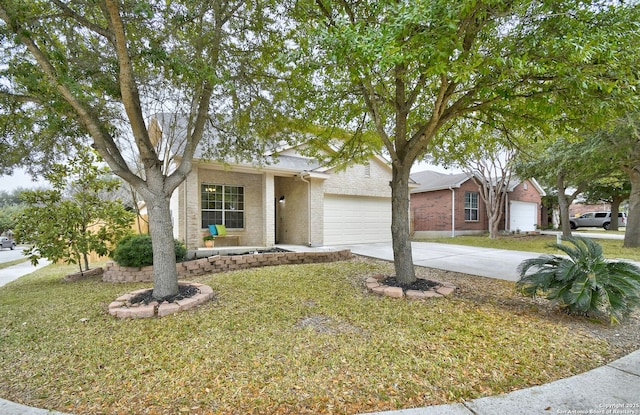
[[419, 284], [184, 291]]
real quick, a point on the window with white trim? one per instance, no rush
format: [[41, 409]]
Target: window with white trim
[[471, 206], [222, 204]]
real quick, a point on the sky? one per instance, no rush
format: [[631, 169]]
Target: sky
[[18, 179]]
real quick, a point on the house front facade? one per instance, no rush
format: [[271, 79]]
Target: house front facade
[[451, 205], [292, 199]]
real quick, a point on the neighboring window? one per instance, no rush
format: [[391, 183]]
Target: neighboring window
[[222, 205], [602, 215], [471, 206]]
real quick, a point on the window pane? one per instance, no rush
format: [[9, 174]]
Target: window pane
[[471, 206], [234, 220], [211, 217], [221, 204]]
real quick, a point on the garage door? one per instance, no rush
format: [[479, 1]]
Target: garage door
[[524, 216], [351, 220]]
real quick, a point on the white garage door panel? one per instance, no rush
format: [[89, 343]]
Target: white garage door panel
[[349, 220], [524, 216]]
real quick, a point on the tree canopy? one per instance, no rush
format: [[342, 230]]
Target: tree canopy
[[99, 70], [414, 72], [75, 217], [620, 141]]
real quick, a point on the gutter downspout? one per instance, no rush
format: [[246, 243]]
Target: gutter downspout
[[302, 174], [453, 212]]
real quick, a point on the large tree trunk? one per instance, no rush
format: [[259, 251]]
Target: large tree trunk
[[632, 234], [563, 202], [165, 275], [615, 210], [403, 257], [564, 216]]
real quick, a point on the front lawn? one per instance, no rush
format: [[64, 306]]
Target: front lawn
[[296, 339]]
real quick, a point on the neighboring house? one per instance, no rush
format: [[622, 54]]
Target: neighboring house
[[292, 200], [578, 208], [451, 205]]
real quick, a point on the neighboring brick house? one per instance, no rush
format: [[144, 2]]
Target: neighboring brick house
[[451, 205], [292, 200]]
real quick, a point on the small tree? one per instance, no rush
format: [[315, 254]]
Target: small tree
[[569, 166], [487, 157], [70, 221]]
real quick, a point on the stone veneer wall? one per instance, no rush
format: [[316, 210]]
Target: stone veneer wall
[[222, 263]]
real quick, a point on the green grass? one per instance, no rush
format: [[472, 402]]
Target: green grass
[[613, 249], [298, 339], [14, 262]]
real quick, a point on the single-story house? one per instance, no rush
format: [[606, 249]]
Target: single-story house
[[451, 205], [293, 199]]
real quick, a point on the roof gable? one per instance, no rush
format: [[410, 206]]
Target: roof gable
[[429, 181], [287, 157]]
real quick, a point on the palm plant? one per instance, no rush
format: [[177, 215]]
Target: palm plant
[[584, 281]]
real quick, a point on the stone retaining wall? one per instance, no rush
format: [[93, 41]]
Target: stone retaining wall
[[222, 263]]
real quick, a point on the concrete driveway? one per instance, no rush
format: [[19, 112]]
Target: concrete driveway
[[484, 262]]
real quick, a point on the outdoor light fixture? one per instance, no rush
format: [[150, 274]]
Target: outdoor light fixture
[[281, 199]]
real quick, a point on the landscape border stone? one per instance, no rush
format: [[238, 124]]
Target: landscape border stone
[[223, 263], [77, 276], [122, 308]]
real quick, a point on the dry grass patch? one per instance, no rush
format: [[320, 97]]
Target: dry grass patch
[[300, 339]]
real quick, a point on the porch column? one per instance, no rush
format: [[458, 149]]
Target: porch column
[[268, 201], [190, 222]]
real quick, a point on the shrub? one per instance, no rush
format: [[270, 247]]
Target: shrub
[[136, 251], [583, 281]]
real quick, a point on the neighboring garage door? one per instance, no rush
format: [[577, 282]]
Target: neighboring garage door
[[524, 216], [352, 220]]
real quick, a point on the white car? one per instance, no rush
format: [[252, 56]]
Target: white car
[[597, 219], [7, 243]]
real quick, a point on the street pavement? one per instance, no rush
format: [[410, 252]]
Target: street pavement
[[16, 271], [610, 389]]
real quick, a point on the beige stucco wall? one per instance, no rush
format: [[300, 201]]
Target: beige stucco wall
[[354, 181], [293, 213], [254, 231], [266, 220]]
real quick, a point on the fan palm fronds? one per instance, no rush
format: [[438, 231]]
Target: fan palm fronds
[[582, 280]]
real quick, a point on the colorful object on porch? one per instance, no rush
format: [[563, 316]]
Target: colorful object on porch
[[221, 230], [213, 230]]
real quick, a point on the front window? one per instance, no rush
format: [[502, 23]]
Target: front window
[[222, 205], [471, 206]]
